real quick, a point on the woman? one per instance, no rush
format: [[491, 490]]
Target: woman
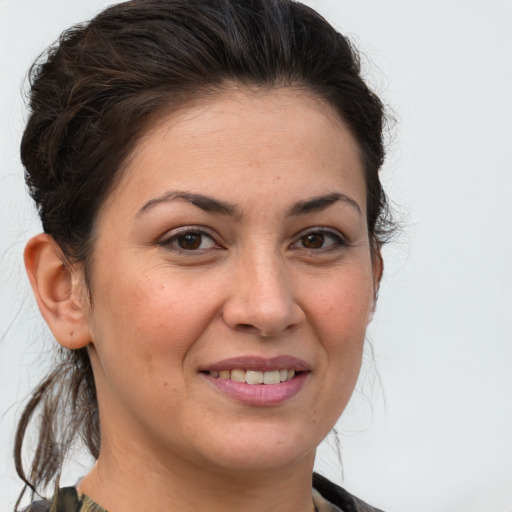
[[206, 174]]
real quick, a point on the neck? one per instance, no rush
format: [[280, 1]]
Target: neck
[[136, 481]]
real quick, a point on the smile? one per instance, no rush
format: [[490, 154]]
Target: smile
[[255, 377], [257, 381]]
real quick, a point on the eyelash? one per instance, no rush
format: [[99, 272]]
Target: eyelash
[[338, 241], [173, 240]]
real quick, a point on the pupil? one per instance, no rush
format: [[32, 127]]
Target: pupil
[[313, 241], [189, 241]]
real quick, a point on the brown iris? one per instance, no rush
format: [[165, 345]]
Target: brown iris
[[313, 241], [190, 241]]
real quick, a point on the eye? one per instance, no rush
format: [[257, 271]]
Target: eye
[[190, 240], [319, 239]]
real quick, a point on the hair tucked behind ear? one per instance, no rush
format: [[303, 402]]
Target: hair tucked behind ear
[[95, 92]]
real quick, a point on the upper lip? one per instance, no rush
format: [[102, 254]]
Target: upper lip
[[258, 364]]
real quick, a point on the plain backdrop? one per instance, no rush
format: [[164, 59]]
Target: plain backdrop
[[429, 428]]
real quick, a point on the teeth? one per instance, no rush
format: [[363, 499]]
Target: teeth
[[253, 377], [271, 377], [238, 375]]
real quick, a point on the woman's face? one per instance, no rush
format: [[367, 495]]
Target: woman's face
[[234, 248]]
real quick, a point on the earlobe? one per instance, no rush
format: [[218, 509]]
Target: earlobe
[[58, 291]]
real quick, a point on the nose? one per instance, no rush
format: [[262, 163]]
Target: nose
[[261, 299]]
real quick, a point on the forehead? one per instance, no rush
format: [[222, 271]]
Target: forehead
[[243, 141]]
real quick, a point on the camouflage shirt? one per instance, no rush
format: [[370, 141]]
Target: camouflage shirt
[[327, 497]]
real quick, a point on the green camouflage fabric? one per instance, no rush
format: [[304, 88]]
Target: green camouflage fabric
[[67, 499], [327, 497]]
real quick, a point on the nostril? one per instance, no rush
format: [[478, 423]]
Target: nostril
[[246, 327], [265, 333]]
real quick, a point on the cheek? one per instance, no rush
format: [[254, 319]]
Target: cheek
[[144, 330], [149, 319], [339, 313], [342, 303]]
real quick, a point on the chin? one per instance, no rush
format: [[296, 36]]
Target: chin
[[259, 447]]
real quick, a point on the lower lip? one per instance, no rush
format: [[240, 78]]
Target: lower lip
[[259, 394]]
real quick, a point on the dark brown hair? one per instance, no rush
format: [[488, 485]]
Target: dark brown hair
[[95, 92]]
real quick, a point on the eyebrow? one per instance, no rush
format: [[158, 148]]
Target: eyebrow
[[205, 203], [316, 204], [210, 204]]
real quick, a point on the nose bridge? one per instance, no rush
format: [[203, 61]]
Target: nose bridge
[[267, 280], [262, 298]]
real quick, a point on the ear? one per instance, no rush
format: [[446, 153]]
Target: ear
[[58, 289], [378, 268]]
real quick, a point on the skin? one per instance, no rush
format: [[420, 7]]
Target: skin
[[253, 284]]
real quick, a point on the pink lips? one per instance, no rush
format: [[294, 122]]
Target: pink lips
[[259, 394], [259, 364]]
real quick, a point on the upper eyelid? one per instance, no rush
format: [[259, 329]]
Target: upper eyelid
[[183, 230], [321, 229], [177, 232]]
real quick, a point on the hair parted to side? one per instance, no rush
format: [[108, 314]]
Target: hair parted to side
[[95, 92]]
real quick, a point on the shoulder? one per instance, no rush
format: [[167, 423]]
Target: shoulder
[[339, 496], [67, 500]]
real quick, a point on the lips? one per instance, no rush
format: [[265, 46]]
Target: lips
[[258, 381], [258, 364]]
